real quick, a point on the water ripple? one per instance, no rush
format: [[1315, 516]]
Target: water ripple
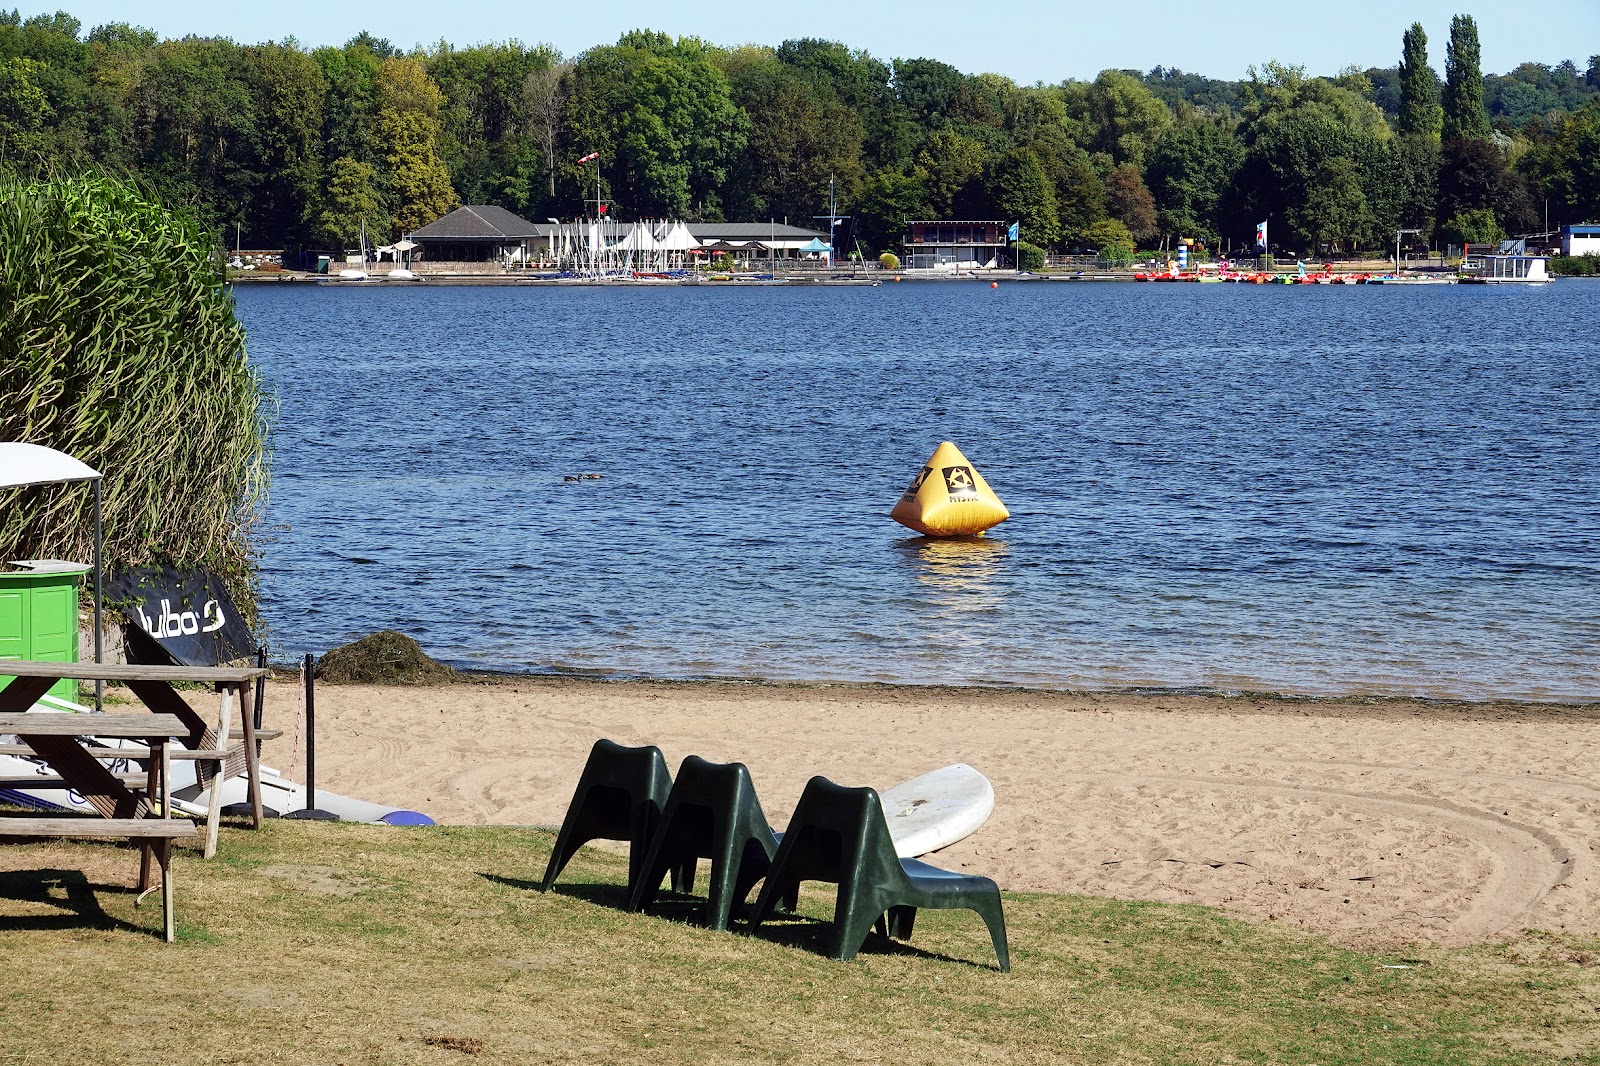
[[1341, 490]]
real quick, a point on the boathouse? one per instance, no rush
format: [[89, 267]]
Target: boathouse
[[755, 240], [955, 245], [479, 238]]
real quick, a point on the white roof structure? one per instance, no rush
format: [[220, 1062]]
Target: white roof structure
[[639, 239], [34, 464], [679, 239]]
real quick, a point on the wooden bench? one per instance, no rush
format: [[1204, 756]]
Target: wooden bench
[[139, 751], [155, 835], [137, 782], [213, 749]]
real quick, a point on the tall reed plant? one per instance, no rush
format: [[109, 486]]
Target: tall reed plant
[[119, 346]]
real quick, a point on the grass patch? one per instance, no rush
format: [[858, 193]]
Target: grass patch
[[357, 944]]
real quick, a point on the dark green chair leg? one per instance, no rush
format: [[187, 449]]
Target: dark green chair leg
[[619, 796], [901, 921], [995, 919], [851, 929], [711, 813], [839, 835]]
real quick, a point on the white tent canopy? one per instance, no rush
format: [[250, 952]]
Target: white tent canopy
[[639, 239], [34, 464], [679, 239]]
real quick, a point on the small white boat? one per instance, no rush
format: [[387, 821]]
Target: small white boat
[[279, 795], [1510, 264]]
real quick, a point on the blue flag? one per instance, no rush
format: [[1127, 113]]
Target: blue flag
[[1012, 234]]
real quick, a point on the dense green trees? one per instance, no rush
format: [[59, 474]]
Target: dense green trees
[[662, 117], [801, 134], [1464, 113], [1191, 171], [1569, 165], [1420, 114], [1025, 193], [301, 147], [409, 128]]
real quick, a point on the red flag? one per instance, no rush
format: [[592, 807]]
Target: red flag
[[603, 209]]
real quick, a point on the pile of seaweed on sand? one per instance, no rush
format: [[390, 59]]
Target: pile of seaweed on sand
[[382, 658]]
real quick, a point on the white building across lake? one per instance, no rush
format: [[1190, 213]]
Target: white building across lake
[[1580, 240], [484, 238]]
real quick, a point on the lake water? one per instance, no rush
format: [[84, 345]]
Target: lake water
[[1323, 490]]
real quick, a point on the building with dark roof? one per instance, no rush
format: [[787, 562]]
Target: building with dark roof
[[487, 236], [777, 234], [478, 233]]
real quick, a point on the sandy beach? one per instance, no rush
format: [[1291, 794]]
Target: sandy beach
[[1370, 821]]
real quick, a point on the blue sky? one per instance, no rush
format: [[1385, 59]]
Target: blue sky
[[1029, 40]]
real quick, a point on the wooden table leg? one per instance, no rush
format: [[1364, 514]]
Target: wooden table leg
[[158, 799], [164, 853], [252, 758], [214, 812], [86, 775]]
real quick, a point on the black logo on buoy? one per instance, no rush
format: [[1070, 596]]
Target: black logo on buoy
[[960, 483], [916, 482]]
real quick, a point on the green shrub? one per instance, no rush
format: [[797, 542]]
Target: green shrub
[[1476, 227], [1117, 254], [1107, 231], [120, 347], [889, 261], [1028, 256], [1576, 266]]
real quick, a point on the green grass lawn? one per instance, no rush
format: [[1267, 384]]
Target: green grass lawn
[[311, 943]]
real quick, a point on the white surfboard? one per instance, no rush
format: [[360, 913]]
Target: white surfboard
[[937, 809], [278, 794]]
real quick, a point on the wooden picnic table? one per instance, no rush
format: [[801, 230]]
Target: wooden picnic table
[[209, 746], [59, 740]]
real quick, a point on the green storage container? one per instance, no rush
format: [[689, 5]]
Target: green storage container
[[39, 617]]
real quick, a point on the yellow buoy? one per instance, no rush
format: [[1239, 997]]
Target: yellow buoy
[[949, 498]]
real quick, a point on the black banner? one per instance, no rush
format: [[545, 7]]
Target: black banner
[[183, 617]]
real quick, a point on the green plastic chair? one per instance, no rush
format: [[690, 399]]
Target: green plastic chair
[[711, 813], [620, 796], [839, 835]]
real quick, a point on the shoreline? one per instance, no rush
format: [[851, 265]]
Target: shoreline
[[1370, 820], [1236, 699], [845, 277]]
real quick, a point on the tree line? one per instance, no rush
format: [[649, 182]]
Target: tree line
[[275, 144]]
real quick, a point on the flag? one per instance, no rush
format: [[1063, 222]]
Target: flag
[[1015, 232], [1261, 236], [603, 208]]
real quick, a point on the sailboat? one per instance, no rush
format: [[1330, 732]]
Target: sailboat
[[357, 273]]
